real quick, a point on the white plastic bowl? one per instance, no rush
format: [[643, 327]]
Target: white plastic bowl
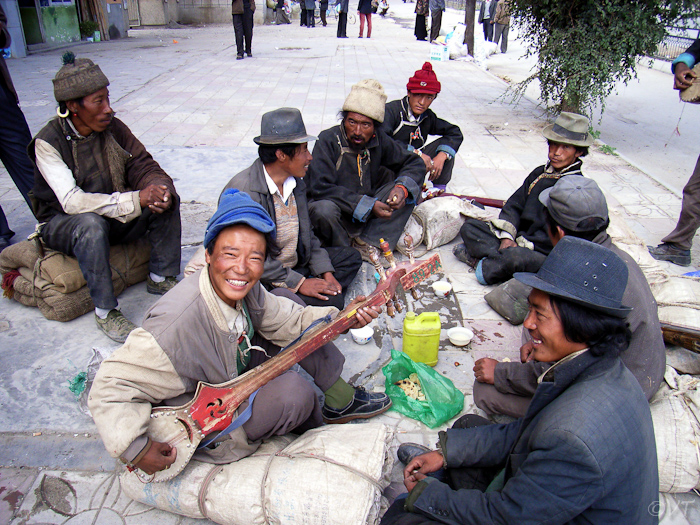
[[363, 335], [442, 288], [460, 336]]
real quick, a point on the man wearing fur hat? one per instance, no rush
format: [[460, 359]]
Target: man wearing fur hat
[[517, 241], [214, 326], [411, 121], [362, 184], [95, 185]]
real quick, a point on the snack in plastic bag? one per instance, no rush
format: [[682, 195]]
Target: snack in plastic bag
[[442, 402]]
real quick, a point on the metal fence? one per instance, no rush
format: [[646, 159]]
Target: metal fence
[[676, 42]]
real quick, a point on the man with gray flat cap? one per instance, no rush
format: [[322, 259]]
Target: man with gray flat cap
[[320, 276], [363, 185], [576, 207]]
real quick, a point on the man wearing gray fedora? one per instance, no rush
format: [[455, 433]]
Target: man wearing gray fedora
[[517, 241], [576, 207], [320, 276], [585, 451]]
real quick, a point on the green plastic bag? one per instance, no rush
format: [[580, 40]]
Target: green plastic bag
[[443, 399]]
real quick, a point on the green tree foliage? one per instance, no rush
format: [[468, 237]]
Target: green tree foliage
[[585, 46]]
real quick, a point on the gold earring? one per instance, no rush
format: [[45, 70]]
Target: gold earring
[[62, 115]]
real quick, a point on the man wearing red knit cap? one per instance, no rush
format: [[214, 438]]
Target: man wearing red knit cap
[[410, 121]]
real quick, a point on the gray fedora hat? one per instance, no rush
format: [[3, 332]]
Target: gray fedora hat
[[576, 203], [584, 273], [283, 126], [569, 128]]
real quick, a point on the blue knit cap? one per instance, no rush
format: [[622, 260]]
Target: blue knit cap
[[236, 207]]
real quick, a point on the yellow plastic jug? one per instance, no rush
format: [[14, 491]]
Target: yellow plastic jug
[[421, 337]]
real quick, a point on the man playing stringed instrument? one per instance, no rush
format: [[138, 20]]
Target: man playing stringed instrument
[[212, 327]]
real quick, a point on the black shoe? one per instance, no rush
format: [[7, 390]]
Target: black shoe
[[363, 406], [460, 251], [408, 451], [239, 57], [671, 253], [249, 54]]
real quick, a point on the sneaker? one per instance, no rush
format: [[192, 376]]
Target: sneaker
[[408, 451], [115, 326], [671, 253], [162, 287], [363, 406], [460, 251]]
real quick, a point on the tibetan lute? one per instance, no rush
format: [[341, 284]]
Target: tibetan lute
[[213, 407]]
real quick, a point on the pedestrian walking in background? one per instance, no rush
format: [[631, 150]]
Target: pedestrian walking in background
[[14, 136], [281, 16], [487, 12], [364, 9], [343, 18], [501, 22], [310, 8], [422, 10], [242, 11], [323, 6], [436, 9]]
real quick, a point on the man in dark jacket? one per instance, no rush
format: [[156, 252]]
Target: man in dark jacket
[[487, 12], [585, 451], [675, 247], [576, 206], [411, 121], [242, 12], [320, 276], [362, 185], [14, 136], [518, 241]]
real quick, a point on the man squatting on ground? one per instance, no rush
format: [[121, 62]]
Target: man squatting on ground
[[675, 247], [213, 326], [576, 206], [363, 185], [518, 241], [584, 452], [320, 276], [95, 185], [410, 121]]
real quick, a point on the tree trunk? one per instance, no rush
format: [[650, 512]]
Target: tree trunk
[[469, 16]]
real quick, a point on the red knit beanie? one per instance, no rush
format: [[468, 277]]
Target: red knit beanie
[[424, 81]]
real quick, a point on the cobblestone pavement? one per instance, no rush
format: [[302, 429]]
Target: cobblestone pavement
[[197, 110]]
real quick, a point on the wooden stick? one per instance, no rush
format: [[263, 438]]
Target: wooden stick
[[681, 336]]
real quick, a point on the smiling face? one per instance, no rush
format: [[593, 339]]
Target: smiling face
[[562, 155], [236, 262], [298, 165], [359, 129], [420, 102], [546, 329], [93, 113]]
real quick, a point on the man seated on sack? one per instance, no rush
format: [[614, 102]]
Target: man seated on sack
[[320, 276], [95, 185], [576, 206], [411, 121], [213, 326], [517, 241], [585, 451], [362, 185]]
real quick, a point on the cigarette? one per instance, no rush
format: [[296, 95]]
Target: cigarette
[[393, 199]]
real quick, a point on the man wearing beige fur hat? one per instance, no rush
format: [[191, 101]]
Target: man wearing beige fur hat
[[362, 185]]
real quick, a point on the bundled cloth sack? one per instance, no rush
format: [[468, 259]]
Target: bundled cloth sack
[[329, 475], [675, 410], [54, 283], [437, 221]]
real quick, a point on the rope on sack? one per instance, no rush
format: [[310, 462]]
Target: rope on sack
[[202, 496]]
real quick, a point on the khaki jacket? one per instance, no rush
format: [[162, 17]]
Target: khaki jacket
[[185, 339], [237, 7], [502, 13]]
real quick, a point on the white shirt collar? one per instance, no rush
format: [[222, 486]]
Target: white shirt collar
[[287, 187]]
